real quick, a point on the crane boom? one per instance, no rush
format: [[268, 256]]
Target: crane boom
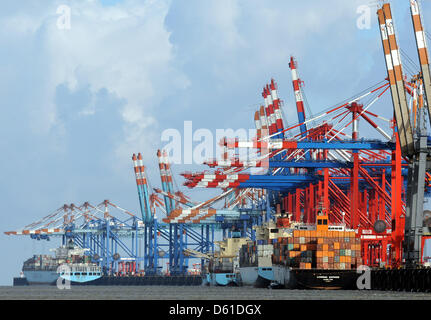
[[299, 101], [197, 254], [422, 51], [298, 97], [395, 75]]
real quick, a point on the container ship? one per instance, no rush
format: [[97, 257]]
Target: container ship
[[255, 264], [302, 256], [223, 266], [76, 267]]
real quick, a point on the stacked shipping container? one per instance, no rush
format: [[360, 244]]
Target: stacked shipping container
[[248, 255], [312, 249]]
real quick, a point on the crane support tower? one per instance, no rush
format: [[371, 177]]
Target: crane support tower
[[414, 145]]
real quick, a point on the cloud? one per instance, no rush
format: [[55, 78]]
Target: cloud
[[123, 48], [77, 103]]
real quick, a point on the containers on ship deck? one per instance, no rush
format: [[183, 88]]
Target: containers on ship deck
[[248, 255], [317, 249]]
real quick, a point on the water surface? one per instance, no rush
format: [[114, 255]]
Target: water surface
[[197, 293]]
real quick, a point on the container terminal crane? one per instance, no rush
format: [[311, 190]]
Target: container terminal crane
[[327, 200]]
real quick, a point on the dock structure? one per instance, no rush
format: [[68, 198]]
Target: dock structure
[[373, 181]]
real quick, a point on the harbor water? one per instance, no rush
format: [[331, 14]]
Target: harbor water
[[196, 293]]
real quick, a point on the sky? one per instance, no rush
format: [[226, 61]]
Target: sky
[[78, 102]]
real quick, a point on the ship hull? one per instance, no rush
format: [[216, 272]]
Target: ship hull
[[259, 277], [80, 278], [315, 279], [50, 277], [325, 279], [282, 277], [262, 282], [265, 276], [41, 277], [249, 275], [222, 279]]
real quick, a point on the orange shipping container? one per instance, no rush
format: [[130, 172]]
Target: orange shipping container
[[294, 254]]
